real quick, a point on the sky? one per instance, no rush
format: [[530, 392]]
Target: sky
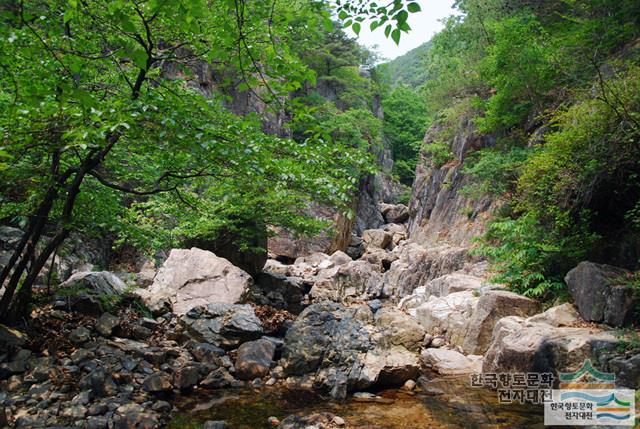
[[424, 25]]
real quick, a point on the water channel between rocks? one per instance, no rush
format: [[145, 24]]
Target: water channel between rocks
[[460, 406]]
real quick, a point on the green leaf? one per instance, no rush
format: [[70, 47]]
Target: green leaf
[[395, 35], [356, 27], [387, 30], [414, 7]]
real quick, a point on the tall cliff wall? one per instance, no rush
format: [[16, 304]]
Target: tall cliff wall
[[439, 211]]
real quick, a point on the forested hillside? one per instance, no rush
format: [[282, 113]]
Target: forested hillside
[[555, 84]]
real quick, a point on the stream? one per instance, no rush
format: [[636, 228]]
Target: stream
[[460, 406]]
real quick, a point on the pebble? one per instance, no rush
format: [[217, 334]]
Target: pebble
[[273, 421]]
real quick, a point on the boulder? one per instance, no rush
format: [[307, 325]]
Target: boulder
[[95, 283], [520, 345], [376, 238], [451, 362], [467, 320], [195, 277], [444, 285], [627, 371], [229, 245], [599, 294], [223, 325], [84, 291], [448, 315], [105, 324], [417, 265], [278, 291], [186, 377], [346, 349], [340, 258], [399, 329], [254, 359], [491, 307], [356, 280], [561, 315], [157, 382], [394, 213], [379, 257]]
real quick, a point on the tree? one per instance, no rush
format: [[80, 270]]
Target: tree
[[96, 134]]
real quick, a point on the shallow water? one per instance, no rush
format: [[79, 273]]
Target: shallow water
[[460, 407]]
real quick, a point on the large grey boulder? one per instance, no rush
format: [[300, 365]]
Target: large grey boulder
[[85, 291], [523, 345], [394, 213], [451, 362], [416, 265], [353, 281], [345, 348], [491, 307], [467, 318], [254, 359], [278, 291], [223, 325], [376, 238], [95, 283], [195, 277], [599, 295]]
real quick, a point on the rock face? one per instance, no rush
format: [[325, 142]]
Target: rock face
[[346, 348], [223, 325], [254, 359], [598, 297], [526, 345], [195, 277], [438, 211]]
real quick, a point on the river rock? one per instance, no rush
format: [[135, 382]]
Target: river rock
[[627, 370], [157, 382], [355, 280], [316, 421], [223, 325], [88, 288], [376, 238], [599, 295], [491, 307], [195, 277], [345, 350], [105, 324], [561, 315], [278, 291], [417, 265], [451, 362], [254, 359], [520, 345], [394, 213], [186, 377]]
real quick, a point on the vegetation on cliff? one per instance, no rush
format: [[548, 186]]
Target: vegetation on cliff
[[557, 84]]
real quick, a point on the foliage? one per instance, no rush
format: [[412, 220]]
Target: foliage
[[107, 126], [438, 153], [392, 16], [555, 85], [408, 69], [404, 126], [494, 171]]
